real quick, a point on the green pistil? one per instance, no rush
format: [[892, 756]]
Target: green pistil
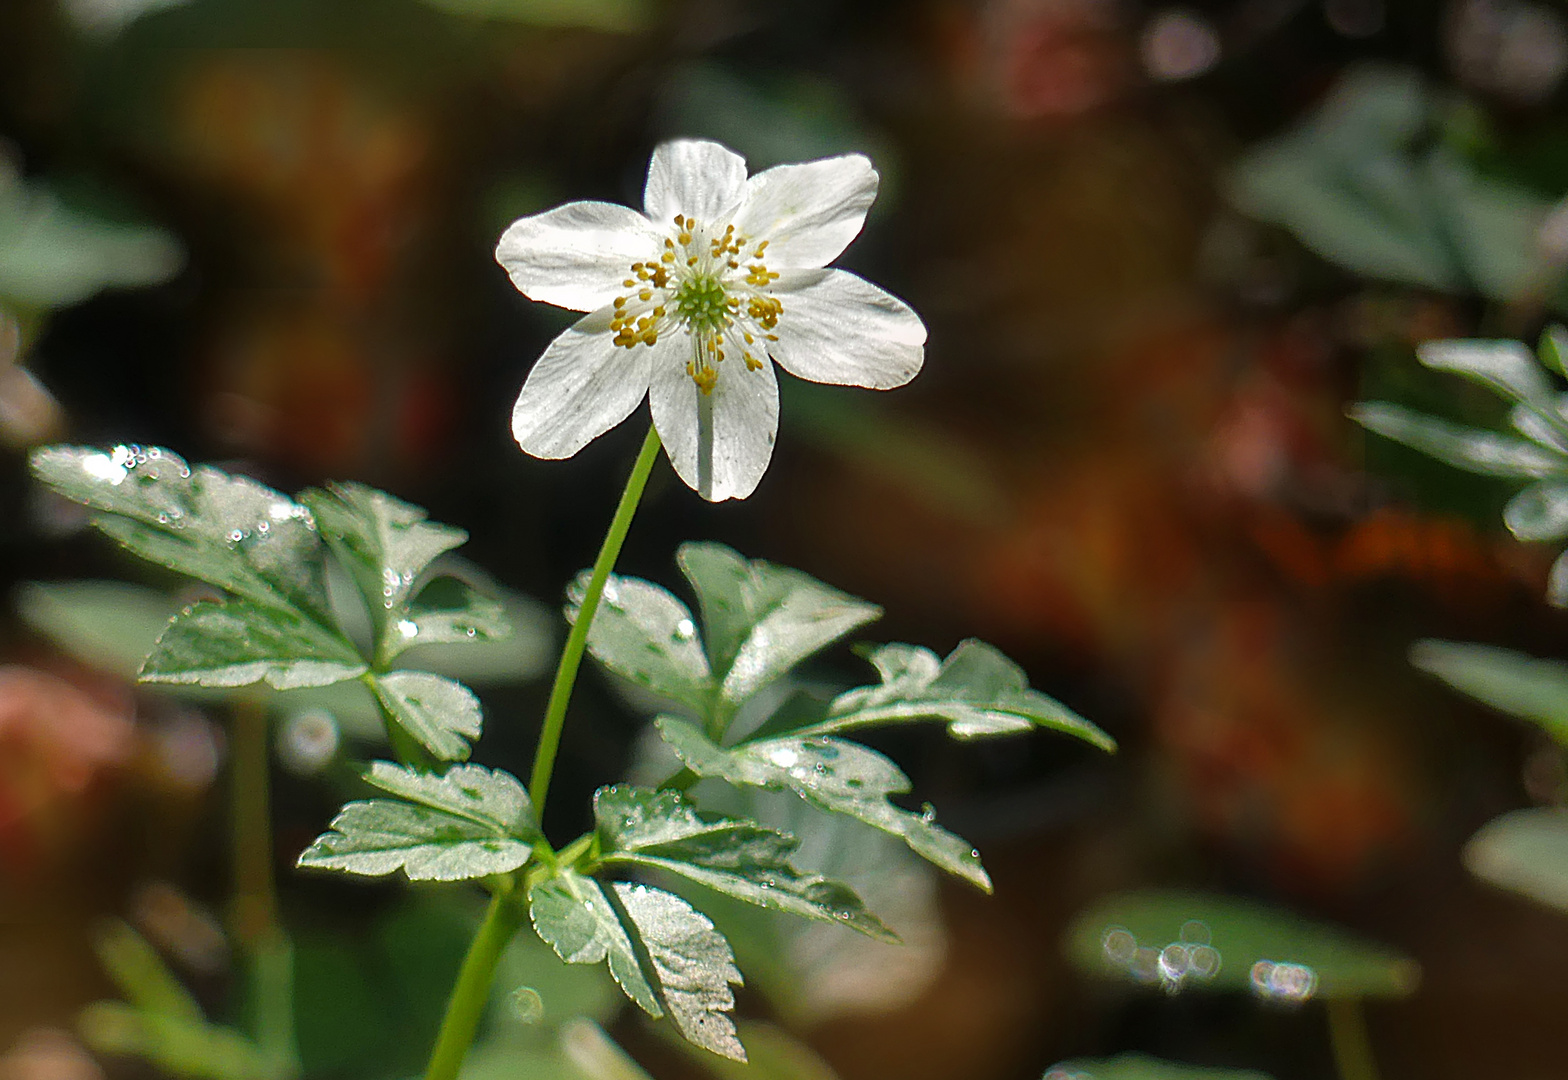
[[699, 303]]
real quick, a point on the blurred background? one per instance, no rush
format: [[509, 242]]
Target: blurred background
[[1159, 250]]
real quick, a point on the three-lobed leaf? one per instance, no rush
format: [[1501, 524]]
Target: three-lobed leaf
[[759, 620], [836, 775], [743, 859], [665, 954], [471, 822]]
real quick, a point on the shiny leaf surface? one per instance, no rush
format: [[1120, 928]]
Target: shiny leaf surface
[[835, 775], [742, 859], [238, 643], [442, 715]]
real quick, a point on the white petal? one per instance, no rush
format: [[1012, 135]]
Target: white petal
[[696, 178], [839, 328], [577, 255], [582, 386], [745, 422], [807, 213]]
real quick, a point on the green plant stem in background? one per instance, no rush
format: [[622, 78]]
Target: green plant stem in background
[[577, 640], [1347, 1032], [471, 992], [264, 947]]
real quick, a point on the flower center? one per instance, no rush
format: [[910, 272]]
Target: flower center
[[702, 304], [710, 287]]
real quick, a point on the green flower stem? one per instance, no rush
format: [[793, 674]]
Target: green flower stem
[[577, 640], [471, 993], [265, 947], [1347, 1032]]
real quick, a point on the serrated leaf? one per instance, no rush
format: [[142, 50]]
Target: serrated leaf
[[977, 691], [692, 963], [469, 823], [1143, 1067], [666, 955], [1531, 689], [836, 775], [442, 715], [179, 1045], [743, 859], [1526, 852], [141, 974], [760, 620], [1539, 512], [1155, 936], [643, 633], [571, 913], [238, 643], [226, 530], [1503, 366], [1472, 449]]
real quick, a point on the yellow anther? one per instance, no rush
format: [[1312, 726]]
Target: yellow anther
[[752, 363], [734, 265], [620, 301], [749, 339], [680, 219], [658, 312], [668, 256], [668, 242], [645, 295], [692, 261]]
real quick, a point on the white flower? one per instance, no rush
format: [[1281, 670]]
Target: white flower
[[692, 301]]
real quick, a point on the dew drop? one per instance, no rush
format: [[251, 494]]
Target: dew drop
[[928, 814], [527, 1005], [685, 630]]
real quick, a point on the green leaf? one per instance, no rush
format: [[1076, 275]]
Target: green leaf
[[1363, 183], [1557, 582], [469, 823], [1526, 852], [810, 972], [388, 544], [760, 620], [665, 954], [239, 643], [450, 611], [571, 913], [1503, 366], [743, 859], [226, 530], [179, 1045], [1472, 449], [1143, 1067], [141, 974], [692, 964], [52, 255], [977, 691], [1539, 512], [833, 774], [109, 625], [440, 714], [1553, 349], [643, 633], [1531, 689], [1189, 939]]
